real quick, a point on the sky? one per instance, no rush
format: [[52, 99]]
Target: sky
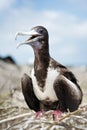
[[65, 20]]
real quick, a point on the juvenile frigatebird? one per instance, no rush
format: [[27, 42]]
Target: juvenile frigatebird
[[51, 86]]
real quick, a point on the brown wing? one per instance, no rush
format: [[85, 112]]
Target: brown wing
[[68, 97], [27, 89]]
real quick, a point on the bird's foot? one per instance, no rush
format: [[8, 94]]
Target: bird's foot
[[56, 114], [39, 114]]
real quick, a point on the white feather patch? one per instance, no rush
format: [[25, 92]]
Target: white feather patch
[[48, 92]]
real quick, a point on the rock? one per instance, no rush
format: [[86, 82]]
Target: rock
[[8, 59]]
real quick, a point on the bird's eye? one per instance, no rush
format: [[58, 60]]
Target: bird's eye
[[41, 31]]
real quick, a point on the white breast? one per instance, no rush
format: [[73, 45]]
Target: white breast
[[48, 92]]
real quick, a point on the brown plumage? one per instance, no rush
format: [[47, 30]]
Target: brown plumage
[[51, 85]]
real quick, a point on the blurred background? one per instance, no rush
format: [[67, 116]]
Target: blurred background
[[65, 20]]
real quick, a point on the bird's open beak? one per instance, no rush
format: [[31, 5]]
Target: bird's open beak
[[33, 34]]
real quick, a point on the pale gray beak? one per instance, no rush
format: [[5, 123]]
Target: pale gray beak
[[31, 33]]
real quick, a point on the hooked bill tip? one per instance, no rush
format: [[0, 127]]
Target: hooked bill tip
[[18, 45], [16, 36]]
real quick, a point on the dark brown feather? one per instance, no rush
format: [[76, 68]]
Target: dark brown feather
[[27, 89], [41, 64]]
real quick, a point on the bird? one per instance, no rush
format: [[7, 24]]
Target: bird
[[51, 85]]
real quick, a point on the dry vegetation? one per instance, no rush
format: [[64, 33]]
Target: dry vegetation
[[15, 118], [15, 115]]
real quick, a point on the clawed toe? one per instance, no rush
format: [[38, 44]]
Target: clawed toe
[[56, 114], [39, 114]]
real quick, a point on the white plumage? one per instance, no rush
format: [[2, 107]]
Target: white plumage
[[48, 92]]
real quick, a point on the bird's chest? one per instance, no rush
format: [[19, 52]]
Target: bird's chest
[[47, 92]]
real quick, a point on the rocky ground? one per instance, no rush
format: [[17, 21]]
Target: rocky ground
[[11, 99]]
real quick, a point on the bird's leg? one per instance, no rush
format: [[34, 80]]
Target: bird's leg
[[39, 113], [56, 114]]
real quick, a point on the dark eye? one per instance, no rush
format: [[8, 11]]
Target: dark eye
[[41, 31]]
